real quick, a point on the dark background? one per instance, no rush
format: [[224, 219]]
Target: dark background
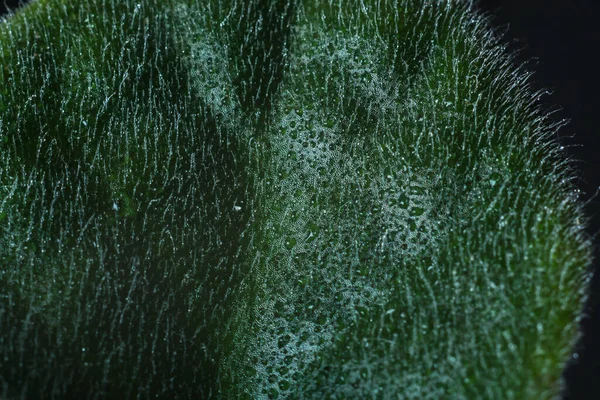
[[560, 41]]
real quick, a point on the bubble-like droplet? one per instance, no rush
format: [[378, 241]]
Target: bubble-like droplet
[[290, 243], [302, 282], [273, 393], [284, 385], [412, 225], [283, 341], [304, 336], [416, 211], [403, 201], [416, 190]]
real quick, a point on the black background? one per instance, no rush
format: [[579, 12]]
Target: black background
[[559, 41]]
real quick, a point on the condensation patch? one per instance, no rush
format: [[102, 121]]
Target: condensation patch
[[208, 62], [338, 223]]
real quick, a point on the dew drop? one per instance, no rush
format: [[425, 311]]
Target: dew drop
[[290, 243], [403, 201]]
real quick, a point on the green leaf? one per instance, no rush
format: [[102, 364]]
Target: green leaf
[[279, 199]]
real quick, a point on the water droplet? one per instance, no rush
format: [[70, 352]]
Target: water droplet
[[412, 225], [403, 201], [284, 385], [273, 393], [416, 211], [290, 243], [417, 190]]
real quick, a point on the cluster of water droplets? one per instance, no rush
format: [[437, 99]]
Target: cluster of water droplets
[[338, 224], [208, 60]]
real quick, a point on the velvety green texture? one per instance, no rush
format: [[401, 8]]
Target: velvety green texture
[[279, 199]]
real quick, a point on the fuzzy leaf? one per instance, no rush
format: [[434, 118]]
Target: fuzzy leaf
[[279, 199]]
